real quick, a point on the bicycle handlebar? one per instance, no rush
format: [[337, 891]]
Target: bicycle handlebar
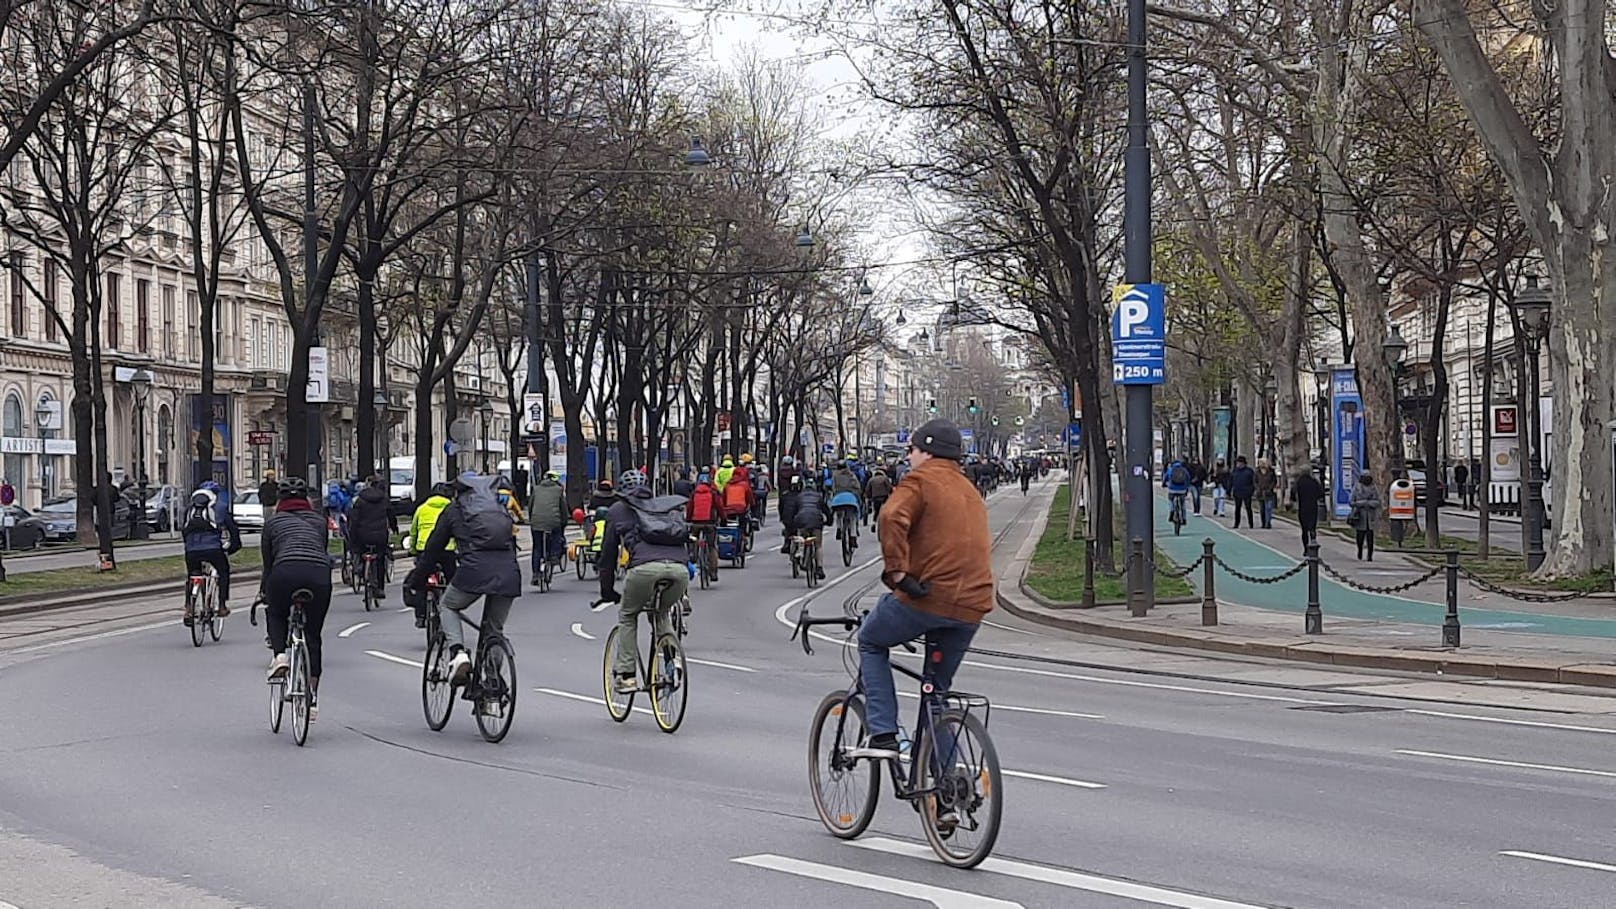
[[848, 623]]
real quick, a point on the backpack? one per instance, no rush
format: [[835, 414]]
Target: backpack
[[660, 520], [1179, 476], [487, 523], [704, 504], [201, 518]]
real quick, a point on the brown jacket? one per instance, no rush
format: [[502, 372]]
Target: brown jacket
[[935, 528]]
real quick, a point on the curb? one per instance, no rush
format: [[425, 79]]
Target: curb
[[1435, 662], [94, 596]]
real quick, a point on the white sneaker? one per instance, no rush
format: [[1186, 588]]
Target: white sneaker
[[459, 668], [279, 666]]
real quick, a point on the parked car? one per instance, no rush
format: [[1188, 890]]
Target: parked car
[[248, 512], [20, 529], [61, 518], [161, 505]]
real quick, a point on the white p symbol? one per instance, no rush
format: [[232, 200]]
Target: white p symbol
[[1133, 311]]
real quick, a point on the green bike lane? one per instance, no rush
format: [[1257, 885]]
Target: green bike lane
[[1336, 599]]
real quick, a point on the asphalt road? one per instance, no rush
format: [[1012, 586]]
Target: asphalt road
[[136, 770]]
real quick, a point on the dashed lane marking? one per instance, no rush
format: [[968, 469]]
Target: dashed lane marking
[[1014, 709], [598, 702], [1046, 778], [381, 655], [1496, 762], [717, 665], [1559, 860], [348, 632], [941, 897]]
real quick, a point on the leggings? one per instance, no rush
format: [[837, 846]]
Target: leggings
[[221, 565], [1366, 538], [282, 581]]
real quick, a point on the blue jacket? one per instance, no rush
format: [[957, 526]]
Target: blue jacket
[[337, 499], [210, 540], [1167, 478], [1243, 482]]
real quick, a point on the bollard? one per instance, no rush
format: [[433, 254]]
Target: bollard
[[1088, 574], [1136, 577], [1450, 624], [1209, 598], [1314, 619]]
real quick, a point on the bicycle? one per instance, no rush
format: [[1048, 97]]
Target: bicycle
[[1176, 513], [663, 678], [201, 602], [492, 683], [805, 559], [547, 565], [845, 532], [705, 555], [952, 779], [370, 583], [293, 687]]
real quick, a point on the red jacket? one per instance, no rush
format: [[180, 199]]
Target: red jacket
[[738, 495]]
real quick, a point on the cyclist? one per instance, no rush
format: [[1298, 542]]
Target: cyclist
[[722, 476], [938, 564], [371, 523], [508, 498], [738, 496], [548, 519], [704, 511], [878, 490], [803, 512], [296, 558], [656, 540], [206, 526], [421, 526], [603, 496], [761, 485], [845, 495], [485, 540], [1176, 479]]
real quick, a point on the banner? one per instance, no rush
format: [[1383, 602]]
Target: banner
[[217, 420], [1221, 417], [1346, 436]]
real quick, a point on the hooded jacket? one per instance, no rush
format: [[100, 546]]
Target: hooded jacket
[[370, 518], [426, 520], [622, 529], [481, 530], [935, 529]]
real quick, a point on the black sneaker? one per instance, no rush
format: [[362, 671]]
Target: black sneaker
[[883, 747]]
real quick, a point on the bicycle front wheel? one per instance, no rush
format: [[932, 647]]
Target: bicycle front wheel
[[958, 762], [670, 687], [618, 704], [845, 791], [301, 694], [847, 543], [701, 570], [496, 706], [579, 565], [437, 692]]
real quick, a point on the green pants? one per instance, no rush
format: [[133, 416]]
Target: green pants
[[638, 589]]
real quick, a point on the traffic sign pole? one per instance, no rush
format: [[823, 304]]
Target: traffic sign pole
[[1136, 230]]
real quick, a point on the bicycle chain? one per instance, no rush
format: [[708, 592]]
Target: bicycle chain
[[1253, 579], [1369, 588], [1524, 596]]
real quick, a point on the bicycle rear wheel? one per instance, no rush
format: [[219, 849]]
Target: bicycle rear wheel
[[437, 693], [961, 817], [701, 569], [578, 563], [670, 687], [301, 694], [847, 542], [495, 708], [617, 704], [844, 791], [810, 566], [196, 606], [216, 625], [277, 705]]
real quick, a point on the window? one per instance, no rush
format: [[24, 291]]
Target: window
[[193, 337], [114, 316], [14, 466], [220, 310], [168, 322], [19, 314], [143, 316], [253, 346], [50, 299]]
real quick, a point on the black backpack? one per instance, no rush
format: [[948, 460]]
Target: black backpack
[[1180, 476], [660, 520], [487, 525]]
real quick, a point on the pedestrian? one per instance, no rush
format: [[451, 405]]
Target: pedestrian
[[269, 494], [1365, 503], [1242, 487], [938, 566], [1308, 493], [1461, 479], [1475, 483], [1220, 487], [1197, 482], [8, 493], [1267, 492]]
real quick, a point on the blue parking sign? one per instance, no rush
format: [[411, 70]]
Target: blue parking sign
[[1139, 334]]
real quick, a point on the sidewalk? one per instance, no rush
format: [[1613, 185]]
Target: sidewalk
[[1566, 644]]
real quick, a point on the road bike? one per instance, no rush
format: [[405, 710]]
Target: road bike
[[805, 559], [294, 687], [663, 677], [949, 774], [371, 582], [846, 532], [202, 604], [704, 552], [1176, 513], [490, 687], [547, 565]]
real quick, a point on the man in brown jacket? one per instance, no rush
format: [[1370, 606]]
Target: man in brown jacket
[[939, 564]]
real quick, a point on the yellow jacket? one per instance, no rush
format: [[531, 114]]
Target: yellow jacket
[[721, 476], [425, 519]]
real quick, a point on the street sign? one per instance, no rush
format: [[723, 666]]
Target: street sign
[[319, 390], [1074, 435], [903, 437], [967, 435], [533, 413], [1139, 334], [460, 432], [260, 437]]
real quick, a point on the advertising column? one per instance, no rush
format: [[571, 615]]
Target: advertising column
[[1347, 436]]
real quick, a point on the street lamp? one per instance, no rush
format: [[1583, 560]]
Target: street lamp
[[140, 385], [1395, 348], [1321, 384], [1271, 395], [864, 288], [900, 320], [380, 400], [805, 239], [1531, 308], [697, 156], [487, 413]]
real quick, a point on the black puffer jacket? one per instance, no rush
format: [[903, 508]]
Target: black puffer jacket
[[485, 541], [370, 520]]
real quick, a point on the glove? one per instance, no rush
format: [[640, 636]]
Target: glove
[[914, 587]]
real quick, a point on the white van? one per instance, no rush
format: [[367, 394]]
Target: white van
[[401, 483]]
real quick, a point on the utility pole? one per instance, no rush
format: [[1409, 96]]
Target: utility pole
[[535, 360], [311, 267], [1139, 508]]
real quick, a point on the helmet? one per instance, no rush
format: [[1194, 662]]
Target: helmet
[[746, 458], [552, 475], [467, 476], [729, 461], [292, 488], [210, 486], [630, 480], [578, 516], [787, 461], [443, 489]]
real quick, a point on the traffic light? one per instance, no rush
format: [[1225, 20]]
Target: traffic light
[[973, 408], [931, 407]]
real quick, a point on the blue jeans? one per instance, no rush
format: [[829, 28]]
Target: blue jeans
[[1195, 498], [889, 624], [1268, 504]]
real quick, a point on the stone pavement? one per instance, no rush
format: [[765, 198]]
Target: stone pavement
[[1556, 644]]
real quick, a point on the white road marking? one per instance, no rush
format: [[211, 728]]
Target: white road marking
[[578, 629], [96, 637], [6, 905], [1559, 860], [1013, 709], [1092, 883], [393, 659], [599, 702], [718, 665], [1008, 628], [941, 897], [1046, 778], [1508, 722], [1495, 762], [348, 632]]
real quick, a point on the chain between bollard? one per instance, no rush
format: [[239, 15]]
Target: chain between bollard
[[1524, 596], [1370, 588], [1254, 579]]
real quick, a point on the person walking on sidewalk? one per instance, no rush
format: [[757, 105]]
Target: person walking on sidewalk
[[1461, 479], [1308, 494], [1365, 502], [1220, 487], [1267, 492], [1242, 487], [1197, 481]]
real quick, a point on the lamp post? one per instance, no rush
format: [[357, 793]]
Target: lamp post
[[1531, 308], [1270, 417], [1395, 348], [380, 400], [140, 385], [486, 411], [1321, 384]]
